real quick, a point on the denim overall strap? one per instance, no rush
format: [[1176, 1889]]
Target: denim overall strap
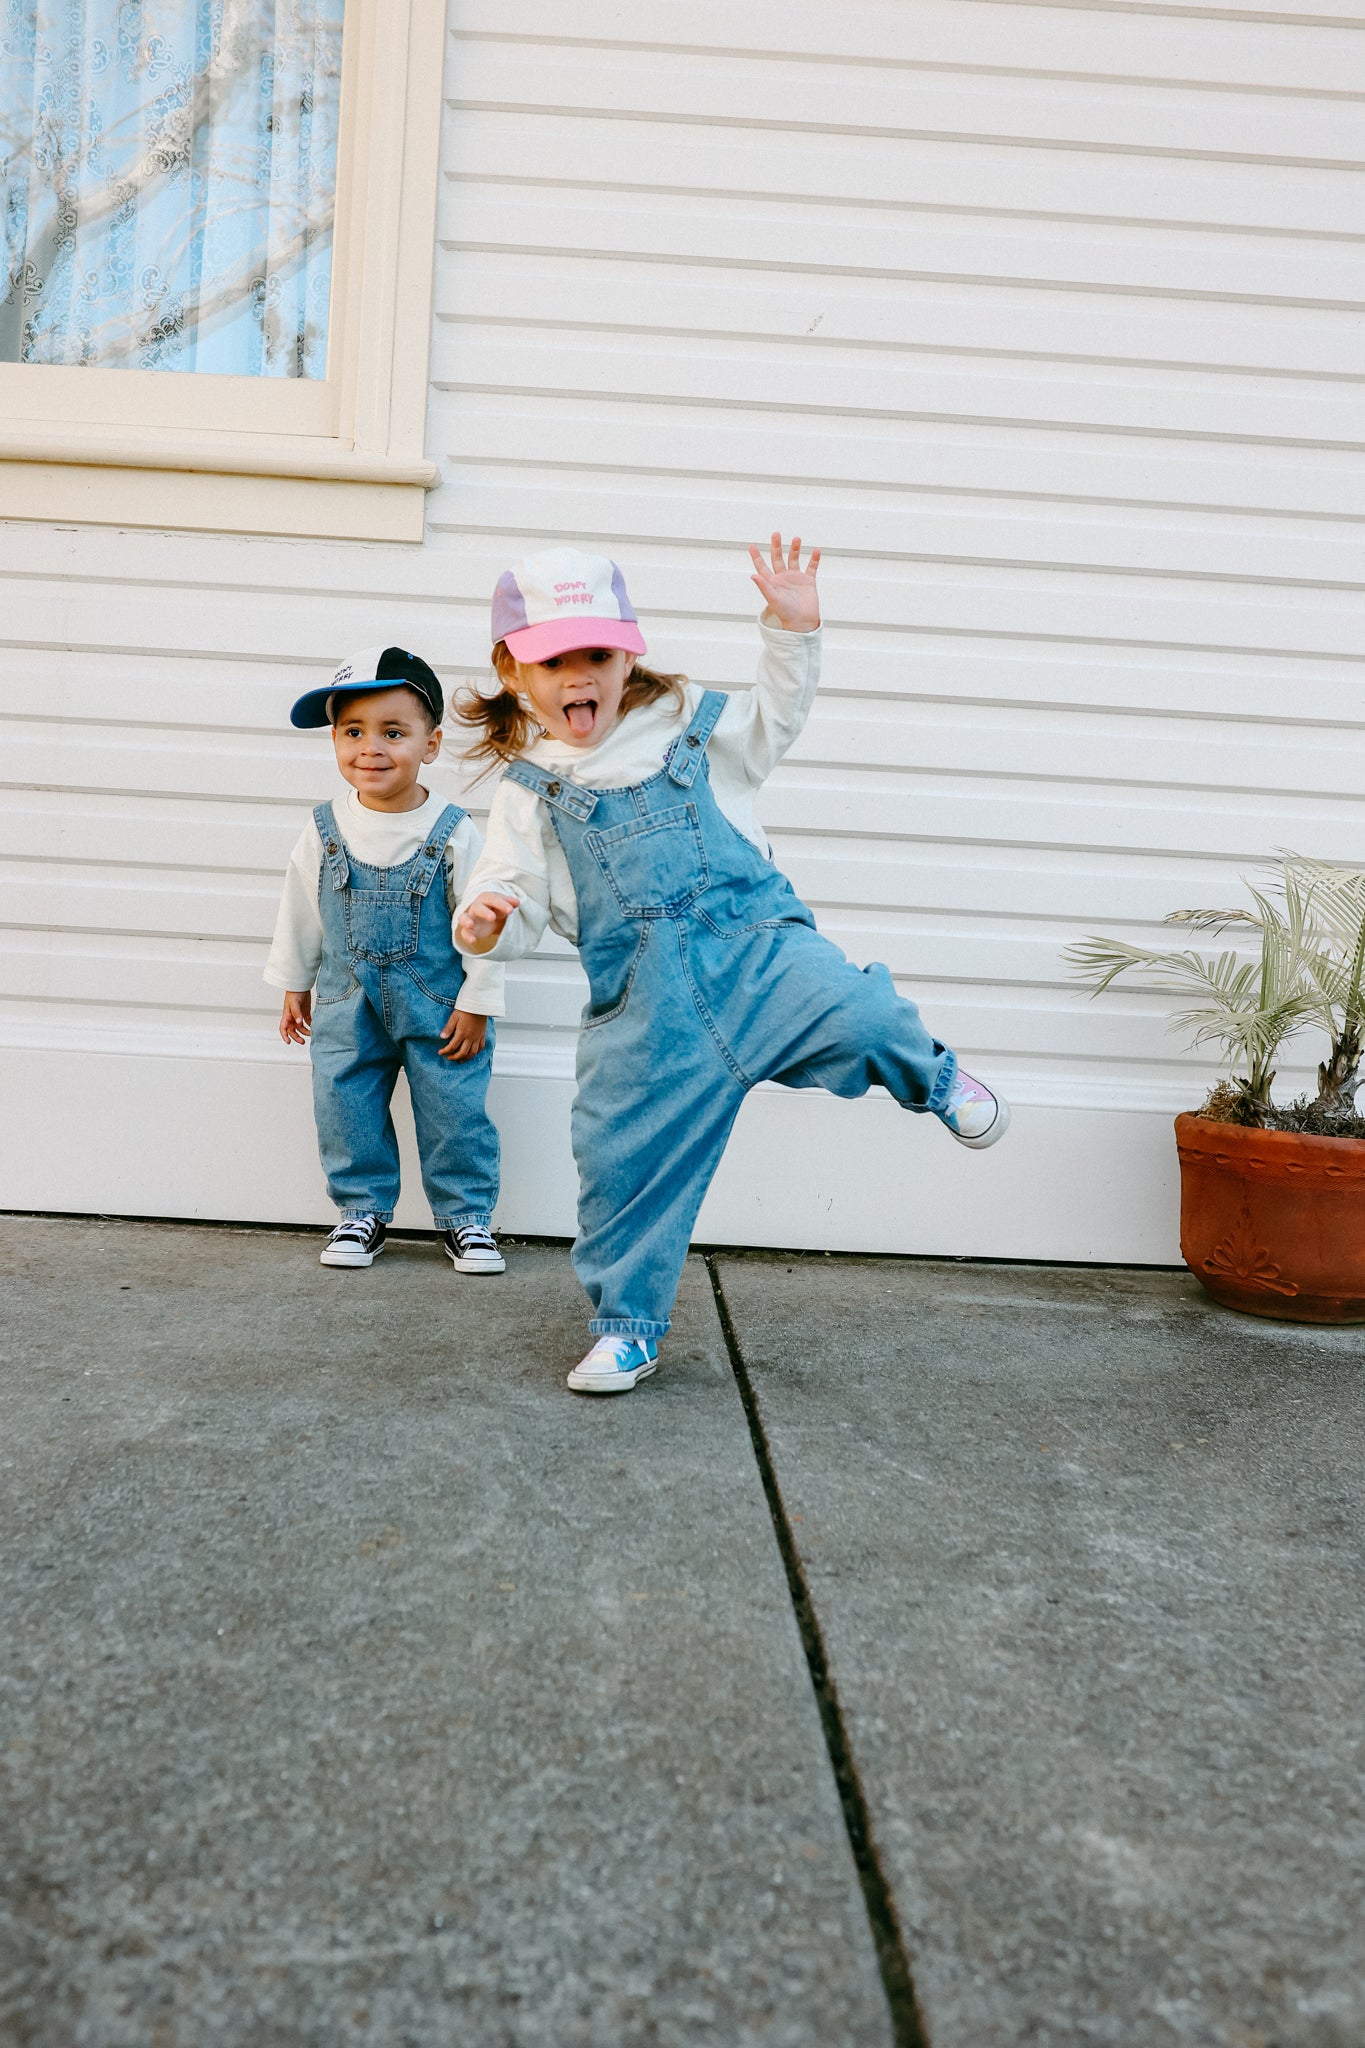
[[685, 755], [428, 859], [333, 845], [563, 796]]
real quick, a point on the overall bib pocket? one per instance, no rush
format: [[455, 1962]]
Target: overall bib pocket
[[656, 865], [382, 924]]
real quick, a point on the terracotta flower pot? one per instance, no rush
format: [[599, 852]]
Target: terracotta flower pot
[[1272, 1222]]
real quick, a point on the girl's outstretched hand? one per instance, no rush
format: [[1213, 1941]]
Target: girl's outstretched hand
[[790, 596], [480, 925]]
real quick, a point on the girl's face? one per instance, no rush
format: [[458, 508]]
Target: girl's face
[[576, 697]]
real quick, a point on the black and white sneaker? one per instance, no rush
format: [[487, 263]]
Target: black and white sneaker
[[472, 1249], [356, 1242]]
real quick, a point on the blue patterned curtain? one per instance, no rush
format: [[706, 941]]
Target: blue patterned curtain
[[169, 177]]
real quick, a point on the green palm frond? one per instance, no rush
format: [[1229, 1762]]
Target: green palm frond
[[1310, 966], [1338, 896], [1211, 920], [1247, 1007], [1338, 909]]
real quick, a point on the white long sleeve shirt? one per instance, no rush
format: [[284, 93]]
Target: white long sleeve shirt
[[381, 839], [523, 857]]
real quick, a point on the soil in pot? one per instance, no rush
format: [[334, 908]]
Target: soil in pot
[[1273, 1222]]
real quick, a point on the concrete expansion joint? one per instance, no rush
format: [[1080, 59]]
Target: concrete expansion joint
[[907, 2021]]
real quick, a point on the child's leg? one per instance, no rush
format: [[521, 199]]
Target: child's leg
[[355, 1067], [456, 1140], [827, 1024], [648, 1133]]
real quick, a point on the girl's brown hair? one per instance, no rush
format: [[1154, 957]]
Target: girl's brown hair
[[508, 727]]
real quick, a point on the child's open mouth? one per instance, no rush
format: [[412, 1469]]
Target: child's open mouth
[[579, 715]]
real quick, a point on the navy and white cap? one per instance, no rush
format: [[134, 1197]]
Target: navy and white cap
[[369, 670]]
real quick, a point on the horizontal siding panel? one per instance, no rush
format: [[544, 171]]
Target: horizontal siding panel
[[977, 742], [79, 892], [201, 973], [1266, 691], [181, 980], [1077, 41], [790, 451], [1233, 828], [861, 383], [930, 527], [658, 90], [986, 598], [906, 181], [879, 242], [594, 292], [904, 596]]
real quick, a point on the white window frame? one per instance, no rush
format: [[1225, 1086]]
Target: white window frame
[[340, 457]]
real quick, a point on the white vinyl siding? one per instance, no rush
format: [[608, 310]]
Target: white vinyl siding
[[1045, 321]]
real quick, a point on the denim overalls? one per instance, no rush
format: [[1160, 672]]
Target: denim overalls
[[706, 974], [388, 981]]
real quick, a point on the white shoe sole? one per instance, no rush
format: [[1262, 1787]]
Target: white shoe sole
[[610, 1382], [990, 1137], [484, 1265], [349, 1258]]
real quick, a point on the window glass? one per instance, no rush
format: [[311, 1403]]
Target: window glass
[[169, 182]]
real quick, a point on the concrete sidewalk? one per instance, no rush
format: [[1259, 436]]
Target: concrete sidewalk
[[360, 1685]]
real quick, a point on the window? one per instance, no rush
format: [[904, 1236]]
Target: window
[[211, 209]]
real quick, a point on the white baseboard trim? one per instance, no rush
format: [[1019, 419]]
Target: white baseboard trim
[[232, 1139]]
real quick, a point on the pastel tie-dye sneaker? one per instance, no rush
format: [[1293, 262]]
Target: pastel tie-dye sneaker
[[973, 1114]]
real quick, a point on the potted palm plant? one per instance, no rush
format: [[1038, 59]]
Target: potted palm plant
[[1272, 1199]]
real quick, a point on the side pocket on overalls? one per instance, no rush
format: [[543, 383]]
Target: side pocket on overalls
[[334, 987], [592, 1018]]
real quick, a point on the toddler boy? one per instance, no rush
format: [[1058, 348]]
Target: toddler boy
[[366, 920]]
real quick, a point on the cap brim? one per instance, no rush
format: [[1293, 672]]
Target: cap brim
[[311, 709], [565, 636]]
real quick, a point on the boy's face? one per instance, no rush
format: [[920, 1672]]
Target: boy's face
[[382, 740], [577, 697]]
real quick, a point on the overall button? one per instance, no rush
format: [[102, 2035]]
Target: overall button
[[331, 846], [431, 853], [553, 788], [692, 740]]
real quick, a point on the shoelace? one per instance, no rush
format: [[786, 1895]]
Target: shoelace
[[357, 1230], [620, 1348], [472, 1237]]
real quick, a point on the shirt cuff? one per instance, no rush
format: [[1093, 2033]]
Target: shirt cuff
[[788, 632], [484, 990], [516, 940]]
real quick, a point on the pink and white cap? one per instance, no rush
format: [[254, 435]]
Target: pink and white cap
[[558, 600]]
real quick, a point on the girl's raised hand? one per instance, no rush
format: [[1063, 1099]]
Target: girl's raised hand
[[789, 591]]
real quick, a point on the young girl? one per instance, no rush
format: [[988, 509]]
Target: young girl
[[625, 820]]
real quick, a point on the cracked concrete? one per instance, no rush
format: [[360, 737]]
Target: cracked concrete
[[1087, 1554], [360, 1686]]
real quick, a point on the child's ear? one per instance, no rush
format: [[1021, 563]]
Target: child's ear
[[631, 660], [434, 738]]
